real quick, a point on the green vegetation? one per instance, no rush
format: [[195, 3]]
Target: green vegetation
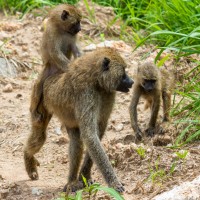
[[141, 152], [188, 108], [158, 174], [25, 6], [90, 192], [182, 154]]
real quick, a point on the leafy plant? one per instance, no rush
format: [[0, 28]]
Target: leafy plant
[[141, 152], [182, 154], [156, 173], [91, 191]]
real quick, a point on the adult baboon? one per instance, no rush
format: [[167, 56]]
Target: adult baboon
[[58, 46], [151, 83], [82, 98]]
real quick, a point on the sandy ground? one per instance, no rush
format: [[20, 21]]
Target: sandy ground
[[135, 172]]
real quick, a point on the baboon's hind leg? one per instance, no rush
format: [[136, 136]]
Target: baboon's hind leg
[[166, 96], [37, 98], [35, 142]]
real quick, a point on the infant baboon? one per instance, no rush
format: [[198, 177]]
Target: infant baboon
[[152, 83], [82, 98], [58, 46]]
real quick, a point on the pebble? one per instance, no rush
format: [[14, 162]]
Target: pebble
[[58, 131], [36, 191], [119, 127], [62, 140], [4, 193], [8, 88]]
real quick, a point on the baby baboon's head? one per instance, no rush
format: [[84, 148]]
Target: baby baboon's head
[[67, 18], [149, 76]]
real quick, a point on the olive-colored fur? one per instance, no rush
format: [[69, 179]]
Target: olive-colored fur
[[82, 98], [152, 84], [58, 46]]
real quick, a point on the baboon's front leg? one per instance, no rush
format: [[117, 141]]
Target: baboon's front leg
[[35, 142], [89, 135], [88, 163], [134, 116], [154, 114]]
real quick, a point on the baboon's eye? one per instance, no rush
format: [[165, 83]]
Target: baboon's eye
[[105, 64], [124, 76], [64, 15]]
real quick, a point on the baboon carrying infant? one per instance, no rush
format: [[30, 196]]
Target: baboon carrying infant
[[151, 83], [57, 47], [82, 98]]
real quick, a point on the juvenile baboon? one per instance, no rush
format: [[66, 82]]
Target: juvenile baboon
[[82, 98], [58, 46], [151, 83]]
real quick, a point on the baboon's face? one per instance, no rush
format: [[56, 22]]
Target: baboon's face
[[148, 75], [114, 77], [70, 22], [67, 18], [125, 83], [148, 85]]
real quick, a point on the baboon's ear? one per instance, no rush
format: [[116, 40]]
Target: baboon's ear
[[105, 64], [64, 15]]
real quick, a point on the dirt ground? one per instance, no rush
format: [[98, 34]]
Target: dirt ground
[[143, 177]]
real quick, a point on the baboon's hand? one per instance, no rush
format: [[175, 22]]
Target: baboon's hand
[[150, 131]]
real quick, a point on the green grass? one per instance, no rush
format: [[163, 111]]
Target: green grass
[[188, 108], [24, 6]]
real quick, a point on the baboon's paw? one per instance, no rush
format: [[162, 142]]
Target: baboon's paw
[[118, 187], [34, 176], [73, 187], [138, 135], [150, 132]]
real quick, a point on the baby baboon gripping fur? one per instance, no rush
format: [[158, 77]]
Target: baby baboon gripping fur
[[152, 83], [58, 45], [82, 98]]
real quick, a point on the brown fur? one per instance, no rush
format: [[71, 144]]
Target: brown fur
[[164, 81], [58, 46], [82, 99]]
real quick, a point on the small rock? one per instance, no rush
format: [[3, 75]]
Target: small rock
[[2, 130], [134, 146], [62, 140], [161, 140], [18, 96], [90, 47], [36, 191], [58, 131], [119, 127], [4, 193], [119, 145], [8, 88], [25, 55], [129, 139]]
